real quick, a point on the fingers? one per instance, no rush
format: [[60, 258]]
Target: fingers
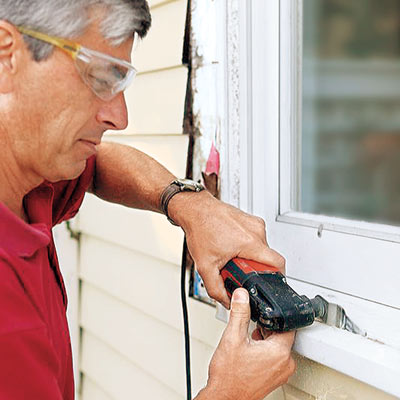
[[215, 286], [239, 318], [284, 339], [264, 255], [258, 249]]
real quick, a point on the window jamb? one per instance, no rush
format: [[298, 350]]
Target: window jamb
[[264, 111]]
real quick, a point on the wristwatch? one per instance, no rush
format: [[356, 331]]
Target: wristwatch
[[177, 186]]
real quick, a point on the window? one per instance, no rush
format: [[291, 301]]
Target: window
[[350, 111], [317, 119], [337, 116]]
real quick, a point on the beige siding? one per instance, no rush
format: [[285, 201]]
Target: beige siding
[[116, 375], [291, 393], [91, 390], [147, 343], [130, 310], [130, 270], [321, 382], [155, 102], [162, 47], [156, 98], [131, 302], [156, 3]]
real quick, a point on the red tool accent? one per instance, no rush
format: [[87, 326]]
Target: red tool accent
[[239, 269], [250, 266]]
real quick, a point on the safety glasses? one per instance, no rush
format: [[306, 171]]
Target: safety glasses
[[105, 75]]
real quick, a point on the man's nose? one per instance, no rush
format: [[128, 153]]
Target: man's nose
[[113, 114]]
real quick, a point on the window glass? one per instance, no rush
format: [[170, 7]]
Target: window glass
[[350, 141]]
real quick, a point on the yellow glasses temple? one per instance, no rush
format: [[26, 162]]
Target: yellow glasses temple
[[66, 45]]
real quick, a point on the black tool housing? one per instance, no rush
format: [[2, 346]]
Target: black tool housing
[[274, 304]]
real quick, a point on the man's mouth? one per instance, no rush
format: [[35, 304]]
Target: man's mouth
[[91, 145], [95, 142]]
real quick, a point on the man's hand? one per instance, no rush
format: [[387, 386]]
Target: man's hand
[[217, 232], [245, 368]]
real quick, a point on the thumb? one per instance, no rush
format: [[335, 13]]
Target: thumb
[[240, 313]]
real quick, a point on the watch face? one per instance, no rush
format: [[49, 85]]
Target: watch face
[[188, 184]]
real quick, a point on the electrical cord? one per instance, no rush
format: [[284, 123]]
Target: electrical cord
[[186, 322]]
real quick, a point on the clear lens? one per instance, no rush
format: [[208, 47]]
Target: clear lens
[[105, 75]]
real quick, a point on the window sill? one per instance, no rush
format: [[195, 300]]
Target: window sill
[[374, 359], [366, 359], [361, 358]]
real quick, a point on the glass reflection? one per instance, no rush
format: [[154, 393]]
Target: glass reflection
[[351, 109]]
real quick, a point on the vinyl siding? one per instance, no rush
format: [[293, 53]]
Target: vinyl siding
[[132, 343], [130, 312]]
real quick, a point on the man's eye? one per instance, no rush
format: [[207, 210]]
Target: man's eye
[[98, 81], [102, 76], [118, 72]]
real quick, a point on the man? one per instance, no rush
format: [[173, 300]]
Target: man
[[57, 97]]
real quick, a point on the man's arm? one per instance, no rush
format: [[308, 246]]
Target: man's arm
[[216, 232], [127, 176], [242, 367]]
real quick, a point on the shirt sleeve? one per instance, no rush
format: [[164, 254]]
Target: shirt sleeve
[[28, 363], [68, 195]]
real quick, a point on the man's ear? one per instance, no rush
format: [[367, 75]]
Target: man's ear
[[11, 50]]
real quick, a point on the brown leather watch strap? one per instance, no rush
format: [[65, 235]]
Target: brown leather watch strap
[[172, 189]]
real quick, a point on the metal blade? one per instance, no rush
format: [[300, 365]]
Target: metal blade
[[334, 315]]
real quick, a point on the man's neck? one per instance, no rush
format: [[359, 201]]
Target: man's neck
[[15, 183]]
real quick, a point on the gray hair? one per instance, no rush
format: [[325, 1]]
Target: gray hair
[[69, 19]]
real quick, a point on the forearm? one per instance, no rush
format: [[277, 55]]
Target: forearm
[[216, 232], [127, 176]]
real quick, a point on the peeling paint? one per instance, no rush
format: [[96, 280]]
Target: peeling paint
[[215, 84], [206, 118], [216, 117]]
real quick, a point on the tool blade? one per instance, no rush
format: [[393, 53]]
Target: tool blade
[[334, 315]]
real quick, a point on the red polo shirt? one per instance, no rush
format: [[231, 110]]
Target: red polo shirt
[[35, 349]]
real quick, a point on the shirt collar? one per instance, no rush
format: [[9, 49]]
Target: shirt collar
[[24, 239]]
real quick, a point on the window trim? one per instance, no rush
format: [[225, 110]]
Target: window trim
[[290, 121], [289, 132], [252, 108], [285, 221]]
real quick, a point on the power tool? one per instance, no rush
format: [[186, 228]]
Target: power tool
[[275, 305]]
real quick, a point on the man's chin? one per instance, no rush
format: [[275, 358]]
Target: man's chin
[[73, 173]]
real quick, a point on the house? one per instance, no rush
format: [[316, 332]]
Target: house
[[302, 99]]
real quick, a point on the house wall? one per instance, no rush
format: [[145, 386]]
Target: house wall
[[132, 343]]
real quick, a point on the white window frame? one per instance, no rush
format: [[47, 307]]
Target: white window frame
[[259, 118]]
